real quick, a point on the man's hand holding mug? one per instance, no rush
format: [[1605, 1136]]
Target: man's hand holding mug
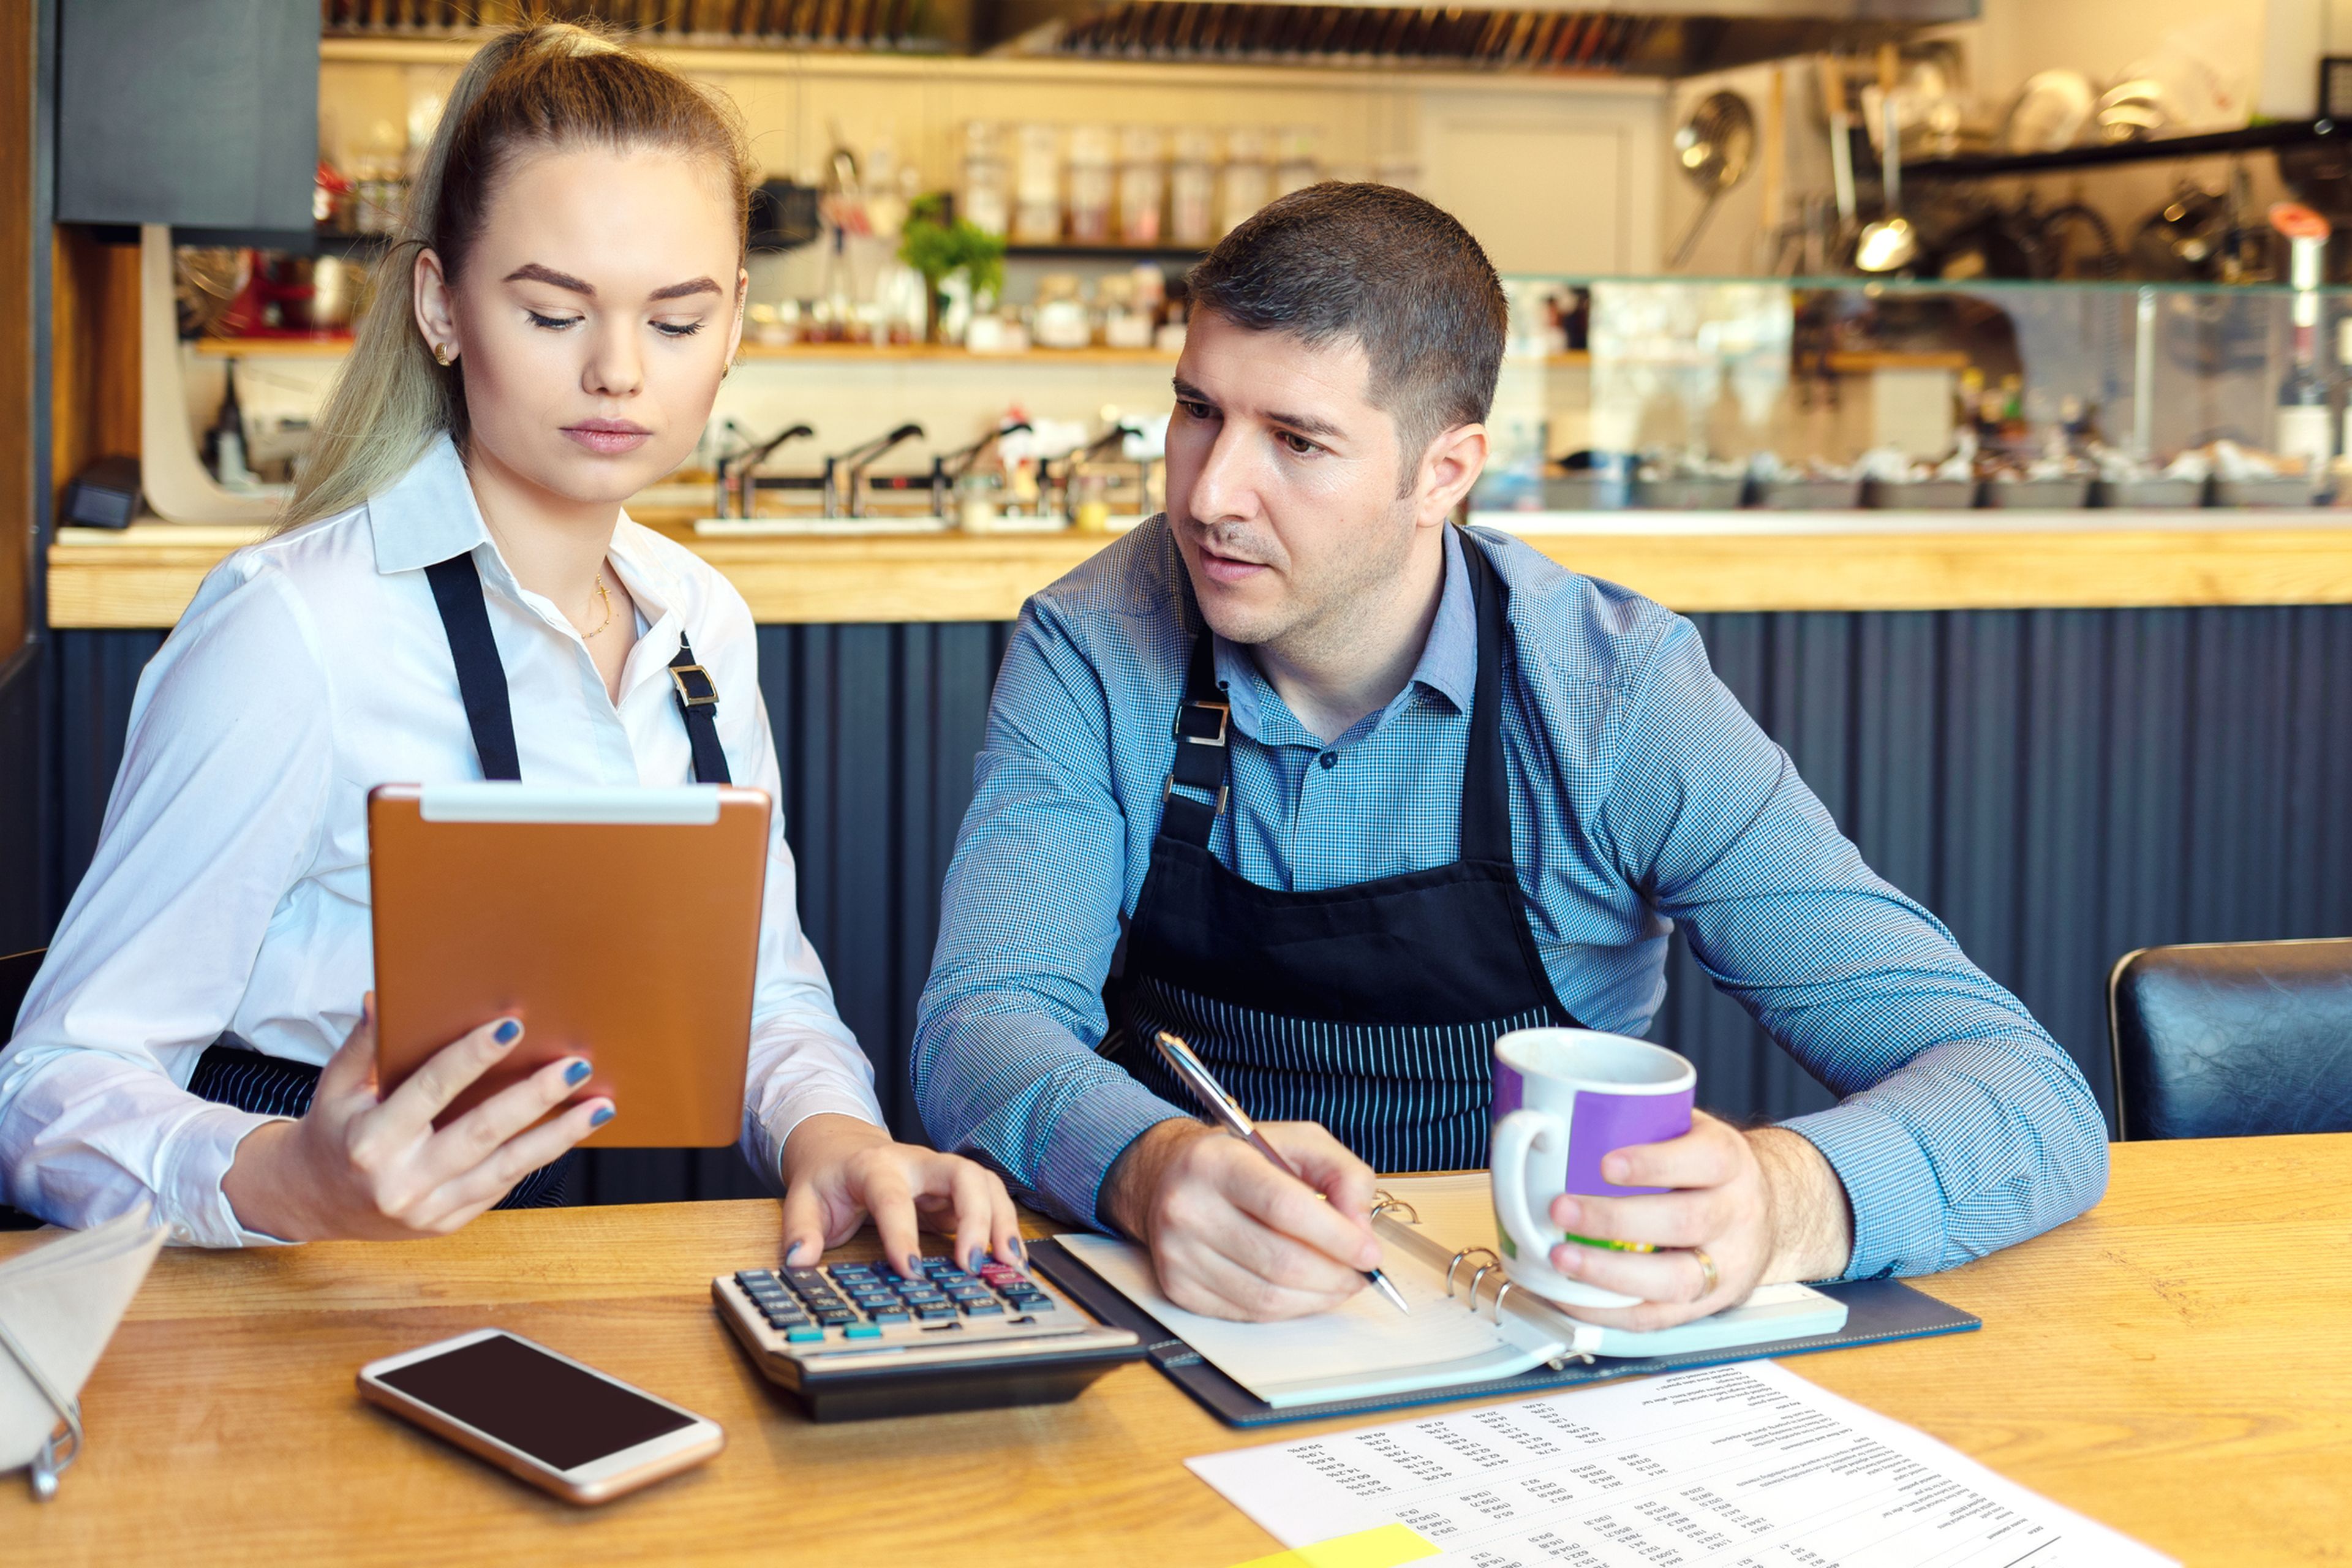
[[1615, 1198]]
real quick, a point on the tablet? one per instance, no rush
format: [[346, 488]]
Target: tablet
[[622, 925]]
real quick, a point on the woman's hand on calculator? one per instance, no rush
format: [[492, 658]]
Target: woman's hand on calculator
[[838, 1170]]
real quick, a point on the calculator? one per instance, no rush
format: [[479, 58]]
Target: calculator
[[852, 1341]]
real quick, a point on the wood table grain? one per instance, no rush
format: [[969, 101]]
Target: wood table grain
[[2173, 1363]]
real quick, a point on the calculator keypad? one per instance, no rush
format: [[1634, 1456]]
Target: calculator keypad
[[859, 1301]]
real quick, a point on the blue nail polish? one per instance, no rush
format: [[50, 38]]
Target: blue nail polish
[[973, 1259], [576, 1073], [1020, 1253], [792, 1254], [604, 1114], [507, 1033]]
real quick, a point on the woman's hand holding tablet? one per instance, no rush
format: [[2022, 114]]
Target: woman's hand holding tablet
[[838, 1170], [363, 1167]]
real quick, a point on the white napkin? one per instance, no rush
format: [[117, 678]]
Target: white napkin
[[60, 1302]]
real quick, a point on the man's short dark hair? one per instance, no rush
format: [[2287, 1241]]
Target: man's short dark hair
[[1382, 266]]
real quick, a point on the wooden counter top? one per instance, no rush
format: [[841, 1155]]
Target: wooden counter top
[[144, 575], [2165, 1364]]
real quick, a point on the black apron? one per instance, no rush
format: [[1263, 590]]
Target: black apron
[[1371, 1008], [231, 1072]]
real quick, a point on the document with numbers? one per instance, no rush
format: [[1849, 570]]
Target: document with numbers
[[1728, 1467]]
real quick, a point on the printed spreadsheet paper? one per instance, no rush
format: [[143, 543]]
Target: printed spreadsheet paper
[[1729, 1467]]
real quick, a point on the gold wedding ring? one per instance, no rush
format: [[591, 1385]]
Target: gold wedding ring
[[1707, 1265]]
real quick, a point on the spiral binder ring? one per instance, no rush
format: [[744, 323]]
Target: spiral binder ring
[[1469, 1252], [1384, 1204]]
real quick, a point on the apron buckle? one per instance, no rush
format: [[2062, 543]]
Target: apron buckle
[[686, 696], [1168, 792], [1224, 712]]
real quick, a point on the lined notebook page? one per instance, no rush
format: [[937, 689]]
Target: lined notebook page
[[1363, 1349]]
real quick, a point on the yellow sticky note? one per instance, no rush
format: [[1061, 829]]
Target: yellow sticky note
[[1383, 1548]]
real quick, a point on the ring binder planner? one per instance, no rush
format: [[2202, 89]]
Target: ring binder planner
[[1461, 1339], [49, 1464], [59, 1303]]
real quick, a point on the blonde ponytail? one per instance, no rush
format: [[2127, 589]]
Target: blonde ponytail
[[545, 85]]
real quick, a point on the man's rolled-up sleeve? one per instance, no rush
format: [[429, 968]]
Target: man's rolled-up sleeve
[[1004, 1064], [1961, 1127]]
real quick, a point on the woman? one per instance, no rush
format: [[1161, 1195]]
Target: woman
[[549, 339]]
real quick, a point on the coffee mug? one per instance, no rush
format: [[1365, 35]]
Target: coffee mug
[[1563, 1098]]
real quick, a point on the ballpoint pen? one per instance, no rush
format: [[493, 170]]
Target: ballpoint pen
[[1235, 1120]]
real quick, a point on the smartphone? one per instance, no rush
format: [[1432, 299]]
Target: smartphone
[[561, 1426]]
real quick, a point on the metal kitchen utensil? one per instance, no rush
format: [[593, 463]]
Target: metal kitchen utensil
[[2049, 113], [1714, 147], [1891, 244], [1840, 145]]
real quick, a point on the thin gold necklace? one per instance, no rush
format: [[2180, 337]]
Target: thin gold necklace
[[605, 595]]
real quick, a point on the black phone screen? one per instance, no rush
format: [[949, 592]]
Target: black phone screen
[[527, 1399]]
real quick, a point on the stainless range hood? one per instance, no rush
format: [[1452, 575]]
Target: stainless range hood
[[1632, 38]]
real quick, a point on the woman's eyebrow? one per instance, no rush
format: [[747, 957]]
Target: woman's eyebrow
[[532, 272], [682, 291]]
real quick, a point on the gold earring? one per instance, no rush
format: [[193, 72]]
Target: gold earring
[[441, 356]]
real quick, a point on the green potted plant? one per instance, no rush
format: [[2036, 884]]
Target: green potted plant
[[939, 246]]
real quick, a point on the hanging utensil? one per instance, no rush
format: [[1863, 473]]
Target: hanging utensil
[[1840, 145], [1891, 244], [1714, 147], [1773, 219]]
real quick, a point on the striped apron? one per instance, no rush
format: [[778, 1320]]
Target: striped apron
[[231, 1072], [1371, 1008]]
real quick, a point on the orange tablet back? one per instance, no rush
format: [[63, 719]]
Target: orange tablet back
[[621, 925]]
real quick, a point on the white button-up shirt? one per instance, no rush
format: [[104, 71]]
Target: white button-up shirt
[[230, 886]]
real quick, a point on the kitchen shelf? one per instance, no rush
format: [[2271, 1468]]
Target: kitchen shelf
[[2251, 139], [1073, 252], [335, 348], [272, 348]]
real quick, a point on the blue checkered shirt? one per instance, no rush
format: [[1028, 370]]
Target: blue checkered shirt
[[1642, 796]]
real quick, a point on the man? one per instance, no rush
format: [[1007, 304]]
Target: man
[[1424, 787]]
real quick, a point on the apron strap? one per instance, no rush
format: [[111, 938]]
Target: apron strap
[[698, 704], [1203, 726], [482, 680], [1485, 784]]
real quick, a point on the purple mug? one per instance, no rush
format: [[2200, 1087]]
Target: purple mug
[[1563, 1098]]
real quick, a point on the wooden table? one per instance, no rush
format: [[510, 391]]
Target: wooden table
[[2173, 1363]]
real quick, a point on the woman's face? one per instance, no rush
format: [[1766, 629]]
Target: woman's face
[[597, 312]]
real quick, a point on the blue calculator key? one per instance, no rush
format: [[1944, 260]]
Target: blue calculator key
[[983, 1309], [803, 1335], [890, 1315], [747, 1278], [1035, 1303], [933, 1314], [836, 1320], [861, 1331]]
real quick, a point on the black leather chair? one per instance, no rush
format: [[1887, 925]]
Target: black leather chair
[[16, 972], [2232, 1039]]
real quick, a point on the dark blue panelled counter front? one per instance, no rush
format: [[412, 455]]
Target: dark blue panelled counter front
[[2060, 786]]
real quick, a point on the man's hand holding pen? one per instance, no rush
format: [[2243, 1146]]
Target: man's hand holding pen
[[1231, 1235]]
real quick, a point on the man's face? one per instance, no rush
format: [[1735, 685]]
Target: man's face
[[1282, 485]]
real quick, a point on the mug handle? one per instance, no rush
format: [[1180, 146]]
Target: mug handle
[[1516, 1136]]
